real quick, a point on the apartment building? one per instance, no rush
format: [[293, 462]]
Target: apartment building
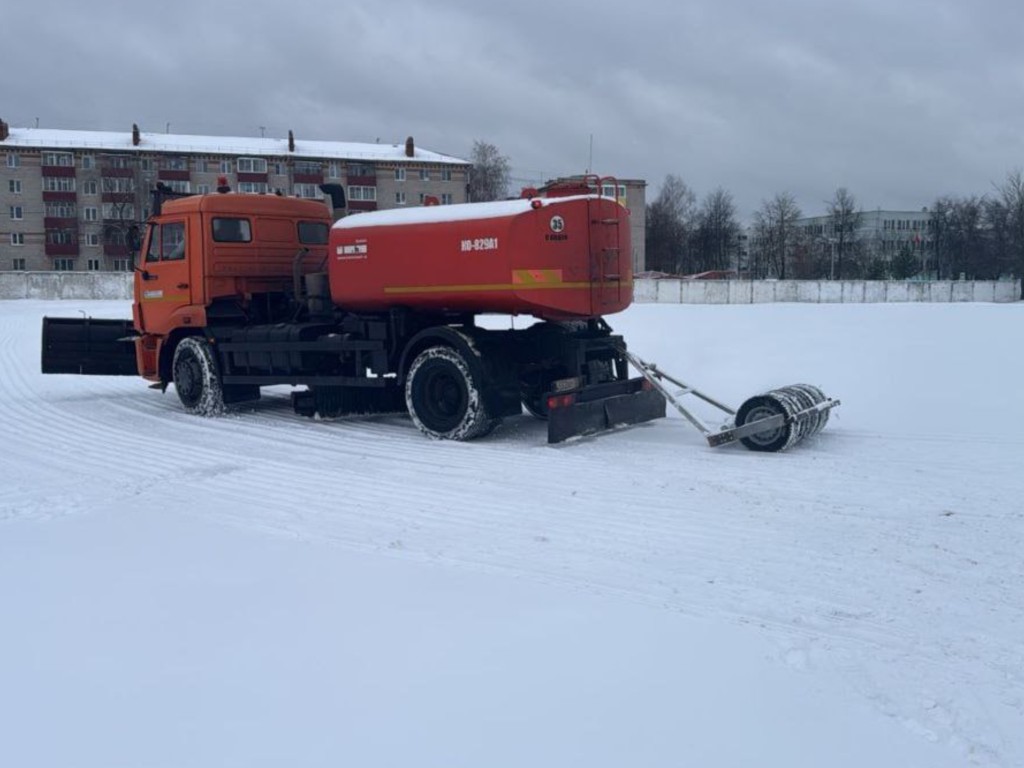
[[69, 198]]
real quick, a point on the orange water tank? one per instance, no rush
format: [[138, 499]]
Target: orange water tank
[[558, 258]]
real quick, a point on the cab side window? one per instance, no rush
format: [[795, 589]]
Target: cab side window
[[166, 242], [172, 241], [232, 230]]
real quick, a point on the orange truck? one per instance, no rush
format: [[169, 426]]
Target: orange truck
[[376, 312]]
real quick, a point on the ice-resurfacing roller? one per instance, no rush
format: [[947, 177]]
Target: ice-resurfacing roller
[[772, 421]]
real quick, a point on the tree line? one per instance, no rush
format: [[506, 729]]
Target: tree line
[[971, 237]]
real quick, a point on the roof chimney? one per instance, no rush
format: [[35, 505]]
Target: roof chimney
[[5, 131], [410, 148], [136, 136], [291, 141]]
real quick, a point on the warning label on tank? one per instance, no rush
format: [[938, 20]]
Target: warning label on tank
[[480, 244], [354, 251]]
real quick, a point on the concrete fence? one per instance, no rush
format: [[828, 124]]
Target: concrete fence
[[822, 291], [118, 285], [65, 285]]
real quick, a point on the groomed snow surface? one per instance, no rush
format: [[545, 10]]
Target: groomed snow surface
[[263, 590]]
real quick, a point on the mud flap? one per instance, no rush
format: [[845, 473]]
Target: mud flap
[[596, 409], [87, 346]]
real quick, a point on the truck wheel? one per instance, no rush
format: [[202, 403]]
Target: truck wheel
[[443, 396], [197, 378]]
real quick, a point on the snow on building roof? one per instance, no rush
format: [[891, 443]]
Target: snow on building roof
[[111, 141]]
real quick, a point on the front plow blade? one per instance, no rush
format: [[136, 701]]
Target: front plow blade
[[88, 346], [603, 407]]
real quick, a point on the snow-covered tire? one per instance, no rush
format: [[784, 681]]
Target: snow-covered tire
[[443, 396], [197, 377]]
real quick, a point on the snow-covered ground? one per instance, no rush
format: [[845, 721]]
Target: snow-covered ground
[[263, 589]]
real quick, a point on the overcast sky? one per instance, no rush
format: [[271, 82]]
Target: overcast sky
[[898, 100]]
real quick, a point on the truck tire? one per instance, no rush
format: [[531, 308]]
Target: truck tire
[[444, 398], [197, 377]]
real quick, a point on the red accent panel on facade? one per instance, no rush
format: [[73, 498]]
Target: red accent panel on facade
[[58, 170], [309, 178], [257, 178], [362, 205], [60, 197], [61, 249], [53, 222], [120, 173], [362, 181], [166, 175]]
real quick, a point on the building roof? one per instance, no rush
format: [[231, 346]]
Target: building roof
[[110, 141]]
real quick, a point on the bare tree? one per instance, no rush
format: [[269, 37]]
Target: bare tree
[[716, 231], [670, 224], [843, 224], [777, 236], [123, 201], [489, 177], [1011, 195]]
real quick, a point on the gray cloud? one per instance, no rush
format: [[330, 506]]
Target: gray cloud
[[900, 103]]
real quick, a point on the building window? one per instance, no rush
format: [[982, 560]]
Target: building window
[[58, 183], [360, 169], [13, 160], [446, 198], [90, 188], [118, 186], [279, 169], [90, 213], [61, 210], [252, 187], [225, 166], [17, 213], [88, 162], [118, 161], [252, 165], [333, 171], [203, 189], [14, 186], [308, 191], [147, 163], [121, 265], [93, 265], [308, 168], [18, 265], [62, 159], [362, 193], [60, 237], [175, 163], [400, 175], [446, 174], [92, 239], [181, 187], [118, 212], [64, 265], [399, 198], [17, 238], [424, 174]]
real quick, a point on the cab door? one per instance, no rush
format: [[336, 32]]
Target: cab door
[[162, 283]]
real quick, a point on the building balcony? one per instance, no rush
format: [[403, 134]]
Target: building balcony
[[60, 222], [362, 205], [362, 181], [61, 249], [169, 175], [118, 197], [117, 173], [115, 249], [60, 197], [58, 170], [308, 178], [256, 178]]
